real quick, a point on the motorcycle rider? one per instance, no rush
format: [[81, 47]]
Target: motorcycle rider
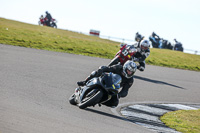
[[178, 45], [126, 72], [48, 18], [155, 35], [155, 39], [42, 19], [138, 37], [142, 53]]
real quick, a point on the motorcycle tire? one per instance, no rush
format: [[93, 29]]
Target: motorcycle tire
[[39, 23], [71, 100], [53, 25], [92, 100]]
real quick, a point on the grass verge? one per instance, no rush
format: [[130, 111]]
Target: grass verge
[[186, 121]]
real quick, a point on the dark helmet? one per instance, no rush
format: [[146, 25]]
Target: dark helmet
[[129, 69], [138, 37]]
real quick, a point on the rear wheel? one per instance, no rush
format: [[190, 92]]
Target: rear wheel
[[93, 98]]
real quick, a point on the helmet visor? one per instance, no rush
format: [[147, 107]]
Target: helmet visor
[[144, 48], [129, 73]]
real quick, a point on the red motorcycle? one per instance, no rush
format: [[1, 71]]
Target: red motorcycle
[[43, 21], [125, 53]]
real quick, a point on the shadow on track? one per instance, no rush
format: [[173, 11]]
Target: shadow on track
[[157, 81], [105, 114]]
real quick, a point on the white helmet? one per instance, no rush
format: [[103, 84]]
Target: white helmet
[[144, 45], [129, 68]]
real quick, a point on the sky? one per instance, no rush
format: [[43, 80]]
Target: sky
[[169, 19]]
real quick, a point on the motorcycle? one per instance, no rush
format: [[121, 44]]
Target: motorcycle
[[138, 37], [125, 53], [178, 47], [98, 90], [44, 20], [155, 40], [166, 44]]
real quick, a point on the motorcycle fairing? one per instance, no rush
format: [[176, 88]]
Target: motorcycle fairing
[[81, 90]]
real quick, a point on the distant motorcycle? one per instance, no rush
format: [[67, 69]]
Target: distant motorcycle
[[155, 41], [125, 53], [98, 90], [178, 46], [138, 37], [166, 44], [52, 22]]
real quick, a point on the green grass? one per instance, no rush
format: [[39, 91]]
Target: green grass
[[186, 121], [41, 37], [174, 59]]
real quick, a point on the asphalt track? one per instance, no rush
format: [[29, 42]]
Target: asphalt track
[[35, 86]]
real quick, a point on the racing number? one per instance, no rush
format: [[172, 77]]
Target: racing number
[[124, 52]]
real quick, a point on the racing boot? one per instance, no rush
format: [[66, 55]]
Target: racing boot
[[81, 83]]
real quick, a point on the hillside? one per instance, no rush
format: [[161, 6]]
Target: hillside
[[41, 37]]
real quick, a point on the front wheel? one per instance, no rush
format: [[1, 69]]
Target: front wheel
[[91, 100], [54, 25], [71, 100], [114, 61]]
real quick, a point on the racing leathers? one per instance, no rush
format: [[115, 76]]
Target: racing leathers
[[140, 56]]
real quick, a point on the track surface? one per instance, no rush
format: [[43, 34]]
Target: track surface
[[35, 86]]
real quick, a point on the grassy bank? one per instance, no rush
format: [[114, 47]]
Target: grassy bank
[[186, 121], [41, 37]]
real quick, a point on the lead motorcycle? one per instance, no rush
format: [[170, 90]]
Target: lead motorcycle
[[98, 90], [53, 22]]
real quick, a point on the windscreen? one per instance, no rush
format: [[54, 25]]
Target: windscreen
[[112, 80]]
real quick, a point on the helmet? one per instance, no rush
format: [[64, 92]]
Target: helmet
[[129, 68], [144, 45]]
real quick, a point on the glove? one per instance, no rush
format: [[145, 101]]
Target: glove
[[141, 68], [135, 59], [99, 72], [138, 50]]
